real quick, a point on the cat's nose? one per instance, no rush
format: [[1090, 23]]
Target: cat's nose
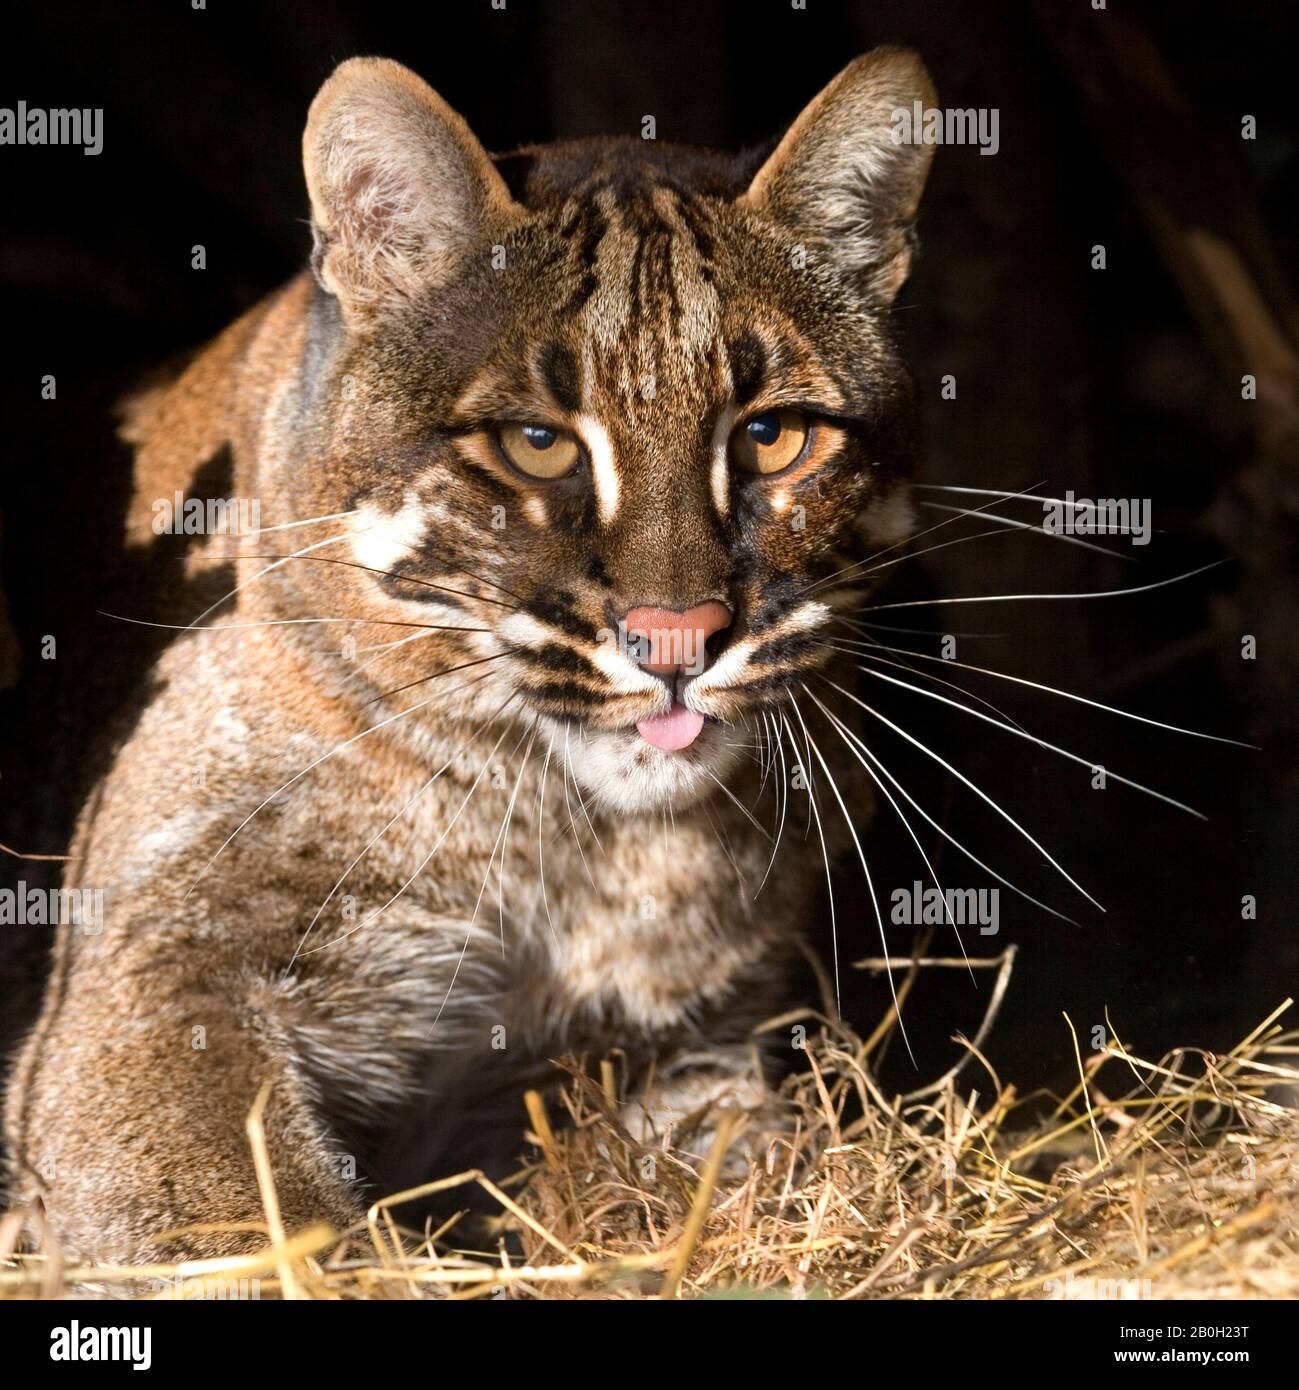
[[666, 641]]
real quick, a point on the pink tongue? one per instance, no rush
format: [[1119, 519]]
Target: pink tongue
[[676, 729]]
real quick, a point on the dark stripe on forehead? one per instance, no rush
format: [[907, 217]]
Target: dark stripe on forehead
[[748, 366], [559, 371], [693, 222], [593, 230]]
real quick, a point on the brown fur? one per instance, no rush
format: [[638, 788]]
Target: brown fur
[[490, 844]]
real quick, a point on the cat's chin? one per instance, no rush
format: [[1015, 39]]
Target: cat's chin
[[619, 771]]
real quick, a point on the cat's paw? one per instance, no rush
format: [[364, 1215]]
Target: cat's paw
[[682, 1108]]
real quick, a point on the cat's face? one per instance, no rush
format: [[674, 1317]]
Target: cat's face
[[637, 419]]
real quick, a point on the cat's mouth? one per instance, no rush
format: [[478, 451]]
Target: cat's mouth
[[668, 759], [673, 731]]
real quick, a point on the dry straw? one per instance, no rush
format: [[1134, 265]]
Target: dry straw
[[1175, 1179]]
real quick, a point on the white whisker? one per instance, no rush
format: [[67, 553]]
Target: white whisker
[[861, 855], [829, 883], [978, 791], [1038, 529], [1089, 763], [283, 560], [849, 739], [946, 834], [1064, 694], [1024, 598], [423, 864], [306, 521]]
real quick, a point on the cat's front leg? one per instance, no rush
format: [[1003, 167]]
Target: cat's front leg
[[129, 1122]]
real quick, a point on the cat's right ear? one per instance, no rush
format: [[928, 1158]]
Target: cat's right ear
[[399, 186], [842, 175]]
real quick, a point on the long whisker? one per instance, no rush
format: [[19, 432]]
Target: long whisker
[[850, 648], [374, 840], [541, 824], [911, 555], [946, 834], [441, 840], [297, 776], [369, 569], [460, 959], [279, 560], [978, 791], [284, 622], [1024, 598], [829, 882], [861, 855], [437, 675], [782, 803], [306, 521], [479, 578], [1002, 495], [724, 844], [850, 739], [868, 628], [505, 831], [767, 755], [1020, 733], [338, 883], [738, 804], [1038, 529], [1055, 690], [581, 801], [568, 806], [885, 550], [376, 649]]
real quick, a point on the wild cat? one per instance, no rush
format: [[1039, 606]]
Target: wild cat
[[566, 462]]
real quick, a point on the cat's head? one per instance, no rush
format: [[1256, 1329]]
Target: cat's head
[[606, 380]]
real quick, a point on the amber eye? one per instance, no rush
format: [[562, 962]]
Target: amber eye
[[770, 442], [538, 451]]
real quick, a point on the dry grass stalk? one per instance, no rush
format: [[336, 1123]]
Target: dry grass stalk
[[1169, 1179]]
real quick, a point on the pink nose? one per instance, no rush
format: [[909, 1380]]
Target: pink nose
[[670, 641]]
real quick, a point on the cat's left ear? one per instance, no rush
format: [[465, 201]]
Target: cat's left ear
[[400, 187], [840, 175]]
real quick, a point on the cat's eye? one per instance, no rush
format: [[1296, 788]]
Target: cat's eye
[[538, 451], [770, 442]]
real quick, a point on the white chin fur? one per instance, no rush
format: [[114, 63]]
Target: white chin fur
[[619, 772]]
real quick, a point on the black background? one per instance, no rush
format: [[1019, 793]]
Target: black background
[[1098, 381]]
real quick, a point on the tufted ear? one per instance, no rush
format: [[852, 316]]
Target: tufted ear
[[399, 186], [840, 175]]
